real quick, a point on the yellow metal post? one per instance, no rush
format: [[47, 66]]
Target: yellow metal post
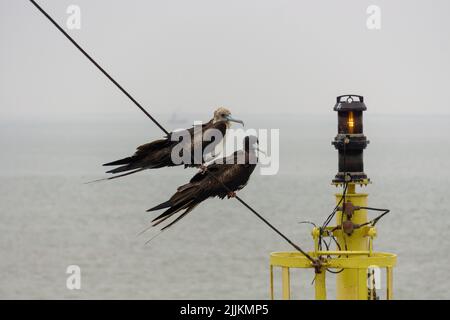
[[286, 283], [389, 293], [271, 282], [352, 283], [321, 289], [363, 293]]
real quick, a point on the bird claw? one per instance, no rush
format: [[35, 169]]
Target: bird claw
[[203, 168], [231, 194]]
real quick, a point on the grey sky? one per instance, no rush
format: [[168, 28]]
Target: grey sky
[[252, 56]]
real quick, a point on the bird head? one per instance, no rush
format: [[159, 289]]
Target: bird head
[[223, 114]]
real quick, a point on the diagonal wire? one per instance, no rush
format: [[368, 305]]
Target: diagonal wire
[[162, 128], [98, 66]]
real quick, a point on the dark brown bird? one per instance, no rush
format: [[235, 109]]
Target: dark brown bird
[[158, 154], [233, 172]]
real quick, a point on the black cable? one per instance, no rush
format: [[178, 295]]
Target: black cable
[[161, 127], [337, 243], [98, 66], [265, 221], [325, 224], [335, 272], [339, 248], [374, 209], [375, 220], [276, 230], [330, 217]]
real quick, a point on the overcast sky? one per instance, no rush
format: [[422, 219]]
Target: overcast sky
[[259, 56]]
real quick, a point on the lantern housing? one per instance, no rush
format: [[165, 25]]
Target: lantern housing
[[350, 140]]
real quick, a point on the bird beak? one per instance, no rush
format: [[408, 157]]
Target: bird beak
[[230, 118]]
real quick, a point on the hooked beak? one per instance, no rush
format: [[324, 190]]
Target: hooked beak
[[230, 118]]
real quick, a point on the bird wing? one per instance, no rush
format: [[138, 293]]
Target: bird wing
[[154, 154], [203, 186]]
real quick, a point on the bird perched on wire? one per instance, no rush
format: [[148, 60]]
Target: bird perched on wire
[[158, 154], [221, 178]]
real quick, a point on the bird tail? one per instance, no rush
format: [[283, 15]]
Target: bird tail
[[163, 205], [127, 164], [143, 157], [126, 160], [186, 198], [189, 209], [115, 177]]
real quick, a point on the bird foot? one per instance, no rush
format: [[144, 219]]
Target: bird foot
[[203, 168], [231, 194]]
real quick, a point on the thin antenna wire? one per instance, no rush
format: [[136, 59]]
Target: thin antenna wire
[[164, 130]]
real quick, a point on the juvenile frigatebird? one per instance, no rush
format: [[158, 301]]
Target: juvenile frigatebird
[[158, 154], [233, 172]]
